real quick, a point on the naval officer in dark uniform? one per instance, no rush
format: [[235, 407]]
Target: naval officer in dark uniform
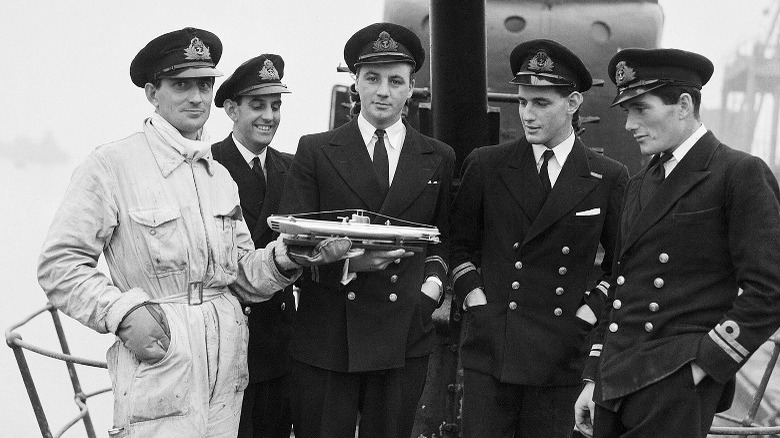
[[700, 222], [363, 331], [526, 225], [252, 98]]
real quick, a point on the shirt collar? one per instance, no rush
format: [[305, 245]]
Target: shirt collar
[[686, 146], [168, 157], [561, 150], [247, 154], [394, 132]]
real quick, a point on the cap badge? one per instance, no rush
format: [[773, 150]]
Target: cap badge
[[268, 72], [384, 43], [197, 50], [624, 73], [540, 62]]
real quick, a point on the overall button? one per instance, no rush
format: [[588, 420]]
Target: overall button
[[512, 305], [658, 283], [283, 306], [565, 250], [613, 327], [393, 278], [663, 258], [559, 291], [620, 280], [558, 311], [397, 261], [247, 310], [654, 307], [617, 304], [648, 327], [152, 232], [562, 270], [351, 296], [518, 265], [515, 285], [393, 297], [516, 245]]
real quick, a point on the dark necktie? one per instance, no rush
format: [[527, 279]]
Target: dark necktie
[[257, 169], [381, 163], [544, 175], [654, 177]]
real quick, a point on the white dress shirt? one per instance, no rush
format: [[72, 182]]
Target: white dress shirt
[[679, 153], [249, 155], [561, 152], [394, 141]]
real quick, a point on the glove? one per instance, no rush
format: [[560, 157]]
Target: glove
[[327, 251], [145, 332]]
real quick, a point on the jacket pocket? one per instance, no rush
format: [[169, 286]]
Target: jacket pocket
[[161, 232], [699, 215], [225, 218]]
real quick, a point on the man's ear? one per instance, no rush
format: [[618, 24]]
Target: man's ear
[[151, 93], [573, 102], [231, 109], [411, 89], [686, 105]]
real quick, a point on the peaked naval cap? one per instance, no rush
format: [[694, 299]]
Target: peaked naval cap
[[545, 63], [637, 71], [259, 76], [384, 43], [185, 53]]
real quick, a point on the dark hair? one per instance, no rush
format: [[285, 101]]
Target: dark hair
[[670, 95]]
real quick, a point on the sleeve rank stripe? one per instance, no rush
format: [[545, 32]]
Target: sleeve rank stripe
[[723, 345], [461, 270], [603, 287], [730, 337], [439, 260]]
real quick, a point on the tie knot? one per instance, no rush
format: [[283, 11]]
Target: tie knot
[[256, 163], [666, 156], [548, 154], [380, 133]]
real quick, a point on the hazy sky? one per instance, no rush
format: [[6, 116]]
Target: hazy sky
[[66, 90]]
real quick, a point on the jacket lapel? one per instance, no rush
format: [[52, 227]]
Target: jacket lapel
[[573, 184], [348, 154], [275, 177], [416, 168], [688, 173], [522, 179], [248, 187]]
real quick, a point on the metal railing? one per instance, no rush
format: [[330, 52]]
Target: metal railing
[[14, 340]]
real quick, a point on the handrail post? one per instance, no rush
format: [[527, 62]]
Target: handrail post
[[29, 385]]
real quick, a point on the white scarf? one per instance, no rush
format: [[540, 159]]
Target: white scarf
[[191, 149]]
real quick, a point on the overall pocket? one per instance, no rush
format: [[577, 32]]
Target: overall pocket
[[161, 244]]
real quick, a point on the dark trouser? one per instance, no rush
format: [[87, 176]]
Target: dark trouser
[[412, 385], [326, 404], [494, 409], [672, 407], [265, 412]]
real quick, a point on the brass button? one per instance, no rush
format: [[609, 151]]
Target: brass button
[[562, 270], [152, 231], [247, 310], [559, 291], [663, 258], [653, 307], [397, 261], [512, 305], [565, 250], [351, 296], [393, 297], [617, 304], [658, 283], [620, 280], [516, 245], [393, 278], [558, 311], [283, 306], [613, 327], [518, 265], [648, 327], [515, 285]]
